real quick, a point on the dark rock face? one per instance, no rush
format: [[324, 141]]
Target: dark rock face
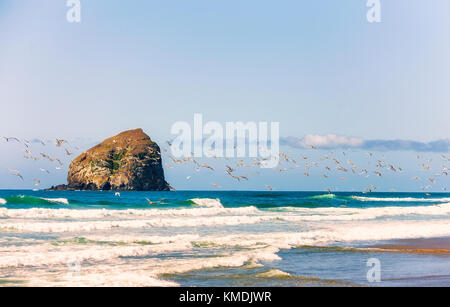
[[129, 161]]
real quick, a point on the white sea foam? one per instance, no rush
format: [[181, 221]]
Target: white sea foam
[[37, 213], [57, 200], [113, 279], [2, 201], [207, 202], [259, 246], [29, 220], [403, 199], [55, 227], [350, 214], [130, 247], [125, 274]]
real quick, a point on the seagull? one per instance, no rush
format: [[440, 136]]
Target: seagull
[[16, 173], [44, 170], [229, 169], [47, 157], [11, 138], [60, 142], [207, 166], [236, 177], [171, 188], [426, 167]]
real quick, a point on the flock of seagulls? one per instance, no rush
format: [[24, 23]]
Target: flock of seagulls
[[329, 164], [28, 155]]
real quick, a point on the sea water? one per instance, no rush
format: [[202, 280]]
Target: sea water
[[190, 238]]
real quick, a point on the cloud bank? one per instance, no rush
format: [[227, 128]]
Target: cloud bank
[[333, 141]]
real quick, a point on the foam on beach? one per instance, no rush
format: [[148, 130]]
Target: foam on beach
[[204, 235], [253, 247]]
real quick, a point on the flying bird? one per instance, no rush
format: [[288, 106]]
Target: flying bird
[[11, 139], [60, 142], [16, 173]]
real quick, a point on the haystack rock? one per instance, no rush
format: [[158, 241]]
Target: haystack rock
[[129, 161]]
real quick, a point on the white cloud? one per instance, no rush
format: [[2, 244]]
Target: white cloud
[[332, 141], [324, 141]]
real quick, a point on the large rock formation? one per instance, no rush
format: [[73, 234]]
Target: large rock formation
[[129, 161]]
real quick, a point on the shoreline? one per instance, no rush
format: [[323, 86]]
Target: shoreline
[[437, 245]]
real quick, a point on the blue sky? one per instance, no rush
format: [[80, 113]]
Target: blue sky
[[316, 67]]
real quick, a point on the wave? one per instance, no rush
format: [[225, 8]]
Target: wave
[[83, 226], [55, 220], [207, 202], [206, 217], [402, 199], [63, 213], [32, 200], [57, 200], [252, 246], [323, 196], [3, 201], [273, 273], [349, 214]]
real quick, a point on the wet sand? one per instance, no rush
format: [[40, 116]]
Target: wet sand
[[426, 246]]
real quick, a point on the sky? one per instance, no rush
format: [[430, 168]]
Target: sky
[[316, 67]]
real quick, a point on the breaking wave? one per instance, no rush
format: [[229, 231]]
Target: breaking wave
[[199, 234], [252, 247], [324, 196], [32, 200], [402, 199], [207, 202]]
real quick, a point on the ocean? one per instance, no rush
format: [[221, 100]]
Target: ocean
[[223, 238]]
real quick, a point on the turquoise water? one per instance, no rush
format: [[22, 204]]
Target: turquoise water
[[215, 238], [229, 199]]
